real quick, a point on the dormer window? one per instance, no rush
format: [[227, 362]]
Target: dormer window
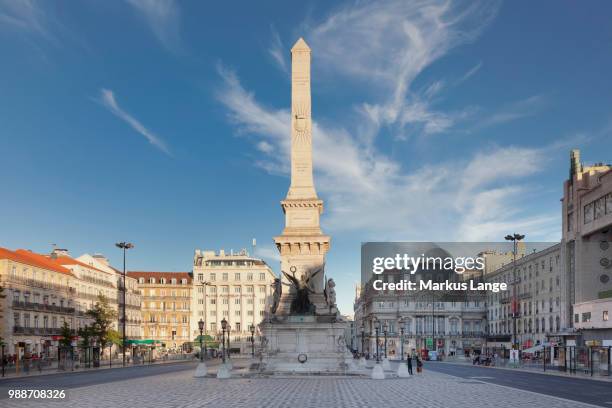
[[174, 281], [151, 280]]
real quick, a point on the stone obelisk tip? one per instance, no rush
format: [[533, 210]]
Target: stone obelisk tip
[[300, 45]]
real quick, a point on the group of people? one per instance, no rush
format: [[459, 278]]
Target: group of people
[[487, 360], [410, 357]]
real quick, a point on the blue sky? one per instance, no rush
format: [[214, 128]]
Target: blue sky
[[167, 123]]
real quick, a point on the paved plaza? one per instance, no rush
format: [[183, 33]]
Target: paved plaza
[[179, 388]]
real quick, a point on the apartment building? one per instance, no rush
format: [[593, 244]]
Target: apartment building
[[133, 298], [166, 308], [452, 323], [587, 249], [230, 286], [541, 301], [39, 297]]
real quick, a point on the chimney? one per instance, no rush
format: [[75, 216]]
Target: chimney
[[57, 252]]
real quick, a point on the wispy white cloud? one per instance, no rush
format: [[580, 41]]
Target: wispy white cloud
[[471, 72], [27, 16], [163, 17], [107, 99], [385, 46], [278, 51], [513, 111], [367, 191]]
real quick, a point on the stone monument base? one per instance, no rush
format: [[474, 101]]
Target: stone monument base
[[304, 344]]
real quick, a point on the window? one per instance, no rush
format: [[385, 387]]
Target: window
[[249, 276], [225, 276], [237, 289], [237, 276], [262, 289], [225, 301], [586, 317], [200, 277], [588, 213], [249, 289], [213, 301], [599, 208], [213, 276], [237, 301], [604, 316], [262, 276]]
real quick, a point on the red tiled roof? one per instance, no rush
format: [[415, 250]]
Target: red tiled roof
[[158, 275], [33, 259]]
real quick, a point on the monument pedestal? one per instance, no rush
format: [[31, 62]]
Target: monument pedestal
[[304, 344]]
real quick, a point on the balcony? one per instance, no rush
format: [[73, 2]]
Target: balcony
[[96, 281], [42, 307], [40, 331]]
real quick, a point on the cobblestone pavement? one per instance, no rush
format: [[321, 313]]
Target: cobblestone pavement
[[181, 389]]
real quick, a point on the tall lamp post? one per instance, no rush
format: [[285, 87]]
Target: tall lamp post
[[377, 328], [229, 328], [362, 339], [124, 246], [516, 238], [401, 322], [223, 328], [252, 330], [385, 330], [201, 325]]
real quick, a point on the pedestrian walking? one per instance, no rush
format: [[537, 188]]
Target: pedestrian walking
[[419, 364], [409, 362]]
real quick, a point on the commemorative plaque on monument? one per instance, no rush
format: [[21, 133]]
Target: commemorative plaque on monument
[[302, 330]]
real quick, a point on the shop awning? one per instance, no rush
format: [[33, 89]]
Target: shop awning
[[533, 349], [137, 342]]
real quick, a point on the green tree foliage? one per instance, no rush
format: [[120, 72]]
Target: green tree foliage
[[66, 333], [86, 334], [103, 318], [115, 337]]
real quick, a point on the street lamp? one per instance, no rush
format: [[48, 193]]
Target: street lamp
[[385, 329], [377, 327], [515, 240], [223, 327], [362, 340], [229, 328], [201, 325], [401, 322], [125, 246], [252, 330]]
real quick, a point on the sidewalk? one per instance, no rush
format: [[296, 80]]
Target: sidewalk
[[118, 364], [532, 369]]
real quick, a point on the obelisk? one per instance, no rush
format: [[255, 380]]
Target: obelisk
[[302, 245], [302, 330]]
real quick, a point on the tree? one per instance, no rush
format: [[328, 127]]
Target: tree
[[85, 333], [115, 337], [103, 317], [66, 341]]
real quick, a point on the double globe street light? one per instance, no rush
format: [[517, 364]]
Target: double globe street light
[[201, 370]]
